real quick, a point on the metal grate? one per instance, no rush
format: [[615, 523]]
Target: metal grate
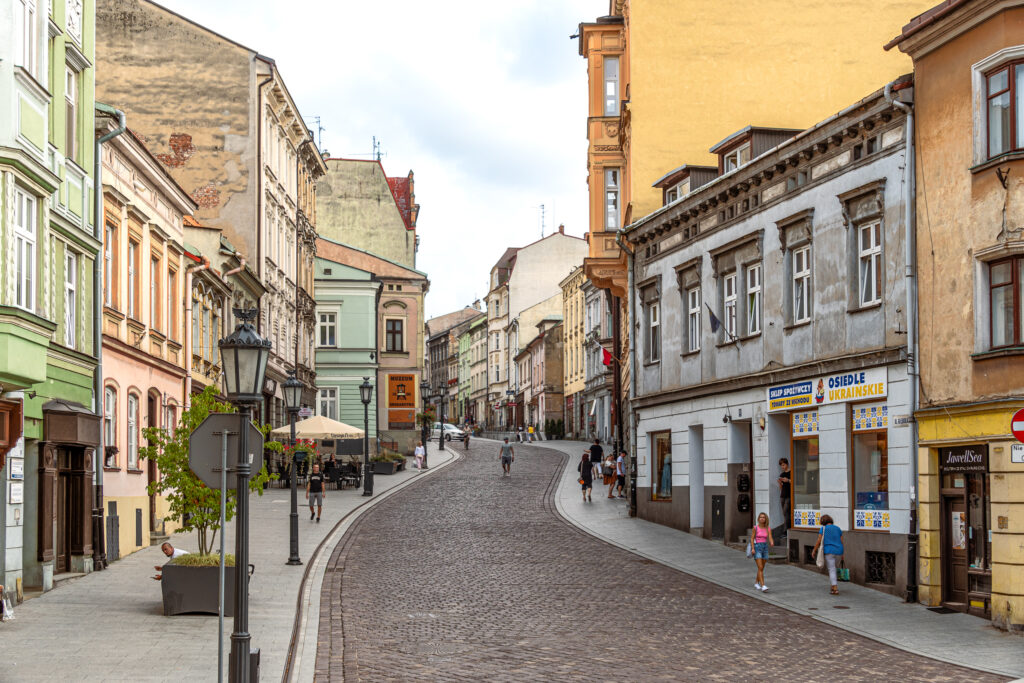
[[794, 550], [880, 567]]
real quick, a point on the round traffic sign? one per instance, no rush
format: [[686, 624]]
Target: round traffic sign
[[1017, 425]]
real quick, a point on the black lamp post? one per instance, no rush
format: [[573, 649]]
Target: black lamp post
[[293, 401], [424, 430], [243, 356], [366, 395], [441, 394]]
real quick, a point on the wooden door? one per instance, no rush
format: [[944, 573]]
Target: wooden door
[[954, 556], [62, 561]]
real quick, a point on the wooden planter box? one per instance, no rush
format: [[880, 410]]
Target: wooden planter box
[[191, 590], [384, 467]]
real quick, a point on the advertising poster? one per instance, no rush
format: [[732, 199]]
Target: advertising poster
[[401, 402], [957, 529]]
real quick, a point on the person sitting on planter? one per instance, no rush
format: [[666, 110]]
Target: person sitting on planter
[[171, 552]]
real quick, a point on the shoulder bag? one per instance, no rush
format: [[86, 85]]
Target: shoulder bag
[[820, 559]]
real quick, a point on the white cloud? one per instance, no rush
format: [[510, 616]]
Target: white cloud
[[485, 102]]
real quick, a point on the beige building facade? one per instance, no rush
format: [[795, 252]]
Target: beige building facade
[[574, 362]]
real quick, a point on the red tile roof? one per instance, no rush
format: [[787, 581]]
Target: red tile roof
[[401, 189]]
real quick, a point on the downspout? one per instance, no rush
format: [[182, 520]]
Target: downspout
[[233, 271], [630, 286], [913, 372], [99, 554], [189, 271], [259, 186]]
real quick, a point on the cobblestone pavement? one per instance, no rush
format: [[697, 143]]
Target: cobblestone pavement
[[470, 576]]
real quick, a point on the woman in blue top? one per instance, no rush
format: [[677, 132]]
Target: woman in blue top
[[830, 542]]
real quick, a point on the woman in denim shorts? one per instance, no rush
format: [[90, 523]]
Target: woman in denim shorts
[[762, 540]]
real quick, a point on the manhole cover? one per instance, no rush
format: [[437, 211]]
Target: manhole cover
[[840, 607]]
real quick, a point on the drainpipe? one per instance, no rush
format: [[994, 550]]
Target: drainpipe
[[189, 272], [630, 286], [233, 271], [913, 371], [259, 187], [99, 555]]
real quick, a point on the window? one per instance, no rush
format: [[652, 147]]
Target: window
[[327, 329], [1006, 302], [25, 249], [204, 342], [71, 115], [653, 332], [805, 480], [172, 311], [394, 335], [729, 290], [70, 301], [214, 336], [154, 293], [802, 284], [611, 86], [693, 319], [109, 425], [611, 199], [736, 158], [197, 340], [1005, 127], [329, 403], [661, 466], [133, 283], [497, 373], [754, 299], [171, 418], [109, 264], [133, 432], [25, 23], [871, 466], [870, 249]]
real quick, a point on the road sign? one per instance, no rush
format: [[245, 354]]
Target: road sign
[[305, 411], [204, 447], [1017, 425]]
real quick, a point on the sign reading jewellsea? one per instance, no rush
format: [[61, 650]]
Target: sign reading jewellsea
[[845, 386]]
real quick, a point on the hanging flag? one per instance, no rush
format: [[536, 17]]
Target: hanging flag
[[606, 357], [715, 322]]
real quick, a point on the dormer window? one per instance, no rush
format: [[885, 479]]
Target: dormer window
[[677, 191], [736, 158]]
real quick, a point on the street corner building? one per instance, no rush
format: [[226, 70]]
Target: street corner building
[[770, 303], [969, 74]]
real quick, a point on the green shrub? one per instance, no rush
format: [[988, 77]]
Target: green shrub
[[197, 560]]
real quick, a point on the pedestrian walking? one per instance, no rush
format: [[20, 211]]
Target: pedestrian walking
[[419, 452], [620, 474], [596, 456], [465, 441], [508, 454], [315, 487], [762, 541], [609, 474], [586, 471], [830, 542], [785, 479]]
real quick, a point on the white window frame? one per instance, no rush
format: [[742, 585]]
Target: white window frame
[[133, 252], [108, 264], [71, 113], [801, 260], [736, 158], [133, 432], [70, 298], [753, 301], [612, 208], [729, 308], [327, 402], [327, 329], [25, 249], [172, 317], [610, 96], [27, 28], [869, 264], [693, 319], [154, 292], [109, 424], [653, 331]]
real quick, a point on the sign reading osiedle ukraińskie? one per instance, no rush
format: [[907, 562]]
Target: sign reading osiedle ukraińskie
[[856, 385]]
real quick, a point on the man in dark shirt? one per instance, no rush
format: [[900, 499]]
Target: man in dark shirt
[[785, 479], [315, 487]]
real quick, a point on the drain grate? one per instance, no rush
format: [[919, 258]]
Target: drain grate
[[942, 610]]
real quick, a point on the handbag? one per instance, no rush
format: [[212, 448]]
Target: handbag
[[820, 559], [581, 481], [843, 574]]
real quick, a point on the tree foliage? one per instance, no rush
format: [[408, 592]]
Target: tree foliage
[[192, 504]]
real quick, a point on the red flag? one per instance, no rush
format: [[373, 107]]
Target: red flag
[[606, 357]]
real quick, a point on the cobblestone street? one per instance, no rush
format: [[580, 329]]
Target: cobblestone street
[[468, 575]]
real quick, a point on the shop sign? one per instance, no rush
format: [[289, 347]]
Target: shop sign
[[401, 402], [839, 388], [1017, 453], [964, 459], [17, 468]]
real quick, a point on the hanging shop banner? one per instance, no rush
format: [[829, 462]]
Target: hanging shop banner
[[401, 402], [839, 388], [972, 458]]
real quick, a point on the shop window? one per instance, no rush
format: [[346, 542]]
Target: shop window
[[661, 463], [871, 467], [806, 469]]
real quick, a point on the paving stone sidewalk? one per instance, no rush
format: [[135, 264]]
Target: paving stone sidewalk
[[954, 638], [109, 625]]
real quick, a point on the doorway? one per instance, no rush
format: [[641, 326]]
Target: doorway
[[696, 456], [954, 515], [62, 549], [152, 409], [965, 529]]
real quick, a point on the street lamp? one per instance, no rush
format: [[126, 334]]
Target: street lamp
[[293, 399], [441, 395], [424, 388], [366, 395], [243, 356]]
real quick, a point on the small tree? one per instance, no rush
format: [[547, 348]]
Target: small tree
[[194, 505]]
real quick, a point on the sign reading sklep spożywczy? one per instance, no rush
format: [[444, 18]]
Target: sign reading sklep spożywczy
[[856, 385]]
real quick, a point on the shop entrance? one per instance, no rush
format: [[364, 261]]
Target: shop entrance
[[966, 544], [62, 559]]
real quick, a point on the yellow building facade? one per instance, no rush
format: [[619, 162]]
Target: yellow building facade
[[574, 352], [968, 59]]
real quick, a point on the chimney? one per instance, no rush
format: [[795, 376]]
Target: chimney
[[561, 228]]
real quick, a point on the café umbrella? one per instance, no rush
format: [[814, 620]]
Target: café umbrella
[[319, 427]]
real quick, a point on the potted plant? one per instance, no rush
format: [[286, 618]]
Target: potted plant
[[383, 464], [192, 585]]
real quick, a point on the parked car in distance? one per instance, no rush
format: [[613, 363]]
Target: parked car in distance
[[450, 432]]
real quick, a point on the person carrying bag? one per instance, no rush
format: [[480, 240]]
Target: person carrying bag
[[829, 549]]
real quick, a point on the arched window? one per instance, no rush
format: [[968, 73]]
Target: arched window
[[110, 425]]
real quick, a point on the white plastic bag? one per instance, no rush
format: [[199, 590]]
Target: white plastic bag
[[8, 610]]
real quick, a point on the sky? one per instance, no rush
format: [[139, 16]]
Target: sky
[[484, 101]]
